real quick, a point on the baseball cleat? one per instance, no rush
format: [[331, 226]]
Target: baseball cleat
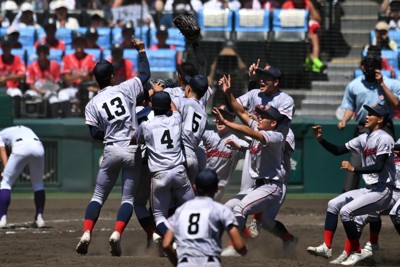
[[229, 251], [3, 221], [342, 257], [321, 250], [371, 247], [254, 228], [39, 223], [356, 257], [83, 245], [290, 245], [115, 244]]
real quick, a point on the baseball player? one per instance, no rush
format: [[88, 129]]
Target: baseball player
[[378, 173], [265, 167], [197, 227], [223, 151], [162, 136], [26, 150], [111, 117]]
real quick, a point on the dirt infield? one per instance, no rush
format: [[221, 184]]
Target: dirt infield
[[55, 244]]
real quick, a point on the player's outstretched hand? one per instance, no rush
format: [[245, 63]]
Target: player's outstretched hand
[[347, 166], [157, 86], [252, 70], [225, 83], [317, 132], [232, 144], [139, 45], [218, 116]]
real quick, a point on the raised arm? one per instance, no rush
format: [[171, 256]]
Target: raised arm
[[334, 149], [144, 66]]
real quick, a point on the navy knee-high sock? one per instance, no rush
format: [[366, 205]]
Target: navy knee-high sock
[[5, 199], [91, 215], [40, 200]]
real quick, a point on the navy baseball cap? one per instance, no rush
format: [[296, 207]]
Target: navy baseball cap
[[92, 32], [6, 41], [273, 72], [207, 181], [270, 113], [198, 83], [161, 101], [378, 110]]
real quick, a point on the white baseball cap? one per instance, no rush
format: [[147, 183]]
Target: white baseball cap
[[26, 7], [9, 5], [58, 4]]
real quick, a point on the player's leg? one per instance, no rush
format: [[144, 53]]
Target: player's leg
[[192, 165], [36, 169], [395, 215], [370, 201], [182, 187], [12, 170]]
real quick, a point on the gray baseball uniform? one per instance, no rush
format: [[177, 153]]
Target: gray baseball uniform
[[221, 157], [162, 136], [198, 226]]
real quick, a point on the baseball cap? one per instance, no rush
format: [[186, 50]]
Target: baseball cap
[[50, 23], [271, 113], [273, 72], [92, 32], [9, 5], [378, 110], [382, 26], [162, 30], [77, 36], [103, 70], [198, 83], [117, 48], [26, 7], [58, 4], [227, 113], [6, 41], [206, 181], [128, 26], [161, 101]]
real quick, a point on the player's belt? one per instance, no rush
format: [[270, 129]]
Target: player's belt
[[210, 259], [20, 139], [260, 182]]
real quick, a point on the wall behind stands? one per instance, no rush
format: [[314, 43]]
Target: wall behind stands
[[74, 156]]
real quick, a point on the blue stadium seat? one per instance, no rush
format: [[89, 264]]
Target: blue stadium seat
[[27, 36], [107, 54], [140, 33], [252, 25], [133, 55], [393, 34], [97, 54], [162, 63], [216, 25], [104, 37], [391, 56], [65, 35], [176, 38], [55, 54], [3, 31], [289, 25]]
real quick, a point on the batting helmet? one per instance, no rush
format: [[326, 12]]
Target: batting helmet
[[206, 181]]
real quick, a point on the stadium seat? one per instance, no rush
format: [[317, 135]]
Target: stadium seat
[[3, 31], [65, 35], [104, 37], [391, 56], [97, 54], [27, 36], [393, 34], [216, 25], [140, 33], [55, 54], [289, 25], [252, 25], [176, 38], [162, 63], [133, 55]]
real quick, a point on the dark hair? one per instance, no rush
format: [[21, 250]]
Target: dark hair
[[187, 69], [103, 72]]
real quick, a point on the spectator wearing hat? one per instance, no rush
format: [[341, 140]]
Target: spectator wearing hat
[[43, 76], [60, 7], [13, 34], [98, 20], [92, 36], [391, 8], [75, 72], [12, 71], [382, 39], [138, 11], [128, 30], [25, 17], [123, 68], [6, 16], [50, 28], [162, 36]]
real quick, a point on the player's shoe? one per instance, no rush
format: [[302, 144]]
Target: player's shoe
[[3, 221], [158, 240], [83, 245], [290, 245], [229, 251], [342, 257], [321, 250], [40, 223], [356, 257], [115, 244], [254, 228], [371, 247]]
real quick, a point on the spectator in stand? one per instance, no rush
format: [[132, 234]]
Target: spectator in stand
[[7, 9], [25, 17], [50, 28], [190, 6], [13, 34], [162, 36], [138, 11], [391, 8], [382, 38], [91, 38], [60, 7], [97, 20], [128, 30], [123, 68], [376, 51], [43, 77], [260, 4], [12, 71], [75, 72], [222, 4], [313, 63]]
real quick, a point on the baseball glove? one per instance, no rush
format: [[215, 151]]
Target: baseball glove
[[188, 26]]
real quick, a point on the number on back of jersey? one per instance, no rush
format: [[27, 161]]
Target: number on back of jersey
[[194, 224], [114, 108], [166, 140], [193, 121]]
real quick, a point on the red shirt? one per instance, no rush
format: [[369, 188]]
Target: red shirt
[[124, 71], [60, 45], [71, 64], [52, 73], [15, 68], [290, 5]]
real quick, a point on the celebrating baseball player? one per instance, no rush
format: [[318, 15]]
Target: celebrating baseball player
[[265, 168], [197, 227], [26, 150], [162, 136], [378, 173], [111, 117], [223, 150]]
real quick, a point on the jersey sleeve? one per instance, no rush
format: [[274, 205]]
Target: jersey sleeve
[[228, 217], [348, 101], [90, 115], [394, 87], [243, 100], [132, 87], [356, 144], [2, 144], [385, 145], [272, 137]]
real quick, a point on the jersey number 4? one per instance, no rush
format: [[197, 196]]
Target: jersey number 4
[[119, 108], [167, 140]]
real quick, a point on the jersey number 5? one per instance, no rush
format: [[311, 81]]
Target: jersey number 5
[[119, 111], [196, 122]]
